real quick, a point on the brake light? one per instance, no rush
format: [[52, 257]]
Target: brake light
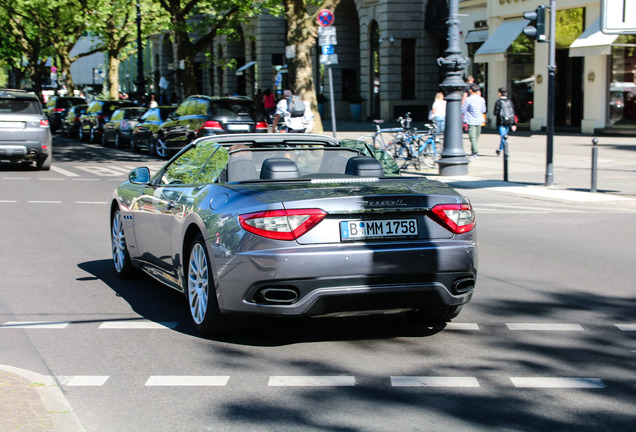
[[261, 126], [44, 123], [212, 125], [282, 224], [457, 218], [58, 109]]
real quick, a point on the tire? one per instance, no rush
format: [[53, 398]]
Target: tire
[[133, 146], [201, 294], [160, 148], [119, 247], [402, 156], [429, 156], [93, 136], [438, 314], [81, 135], [44, 164], [117, 140]]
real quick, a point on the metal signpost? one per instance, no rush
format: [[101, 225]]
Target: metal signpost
[[327, 40]]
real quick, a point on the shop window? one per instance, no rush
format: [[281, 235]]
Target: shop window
[[622, 88]]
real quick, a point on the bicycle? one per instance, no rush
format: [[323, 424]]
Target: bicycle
[[377, 139], [419, 148]]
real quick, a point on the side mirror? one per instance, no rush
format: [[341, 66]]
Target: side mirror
[[140, 175]]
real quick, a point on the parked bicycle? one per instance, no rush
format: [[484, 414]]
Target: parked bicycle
[[396, 134], [418, 148]]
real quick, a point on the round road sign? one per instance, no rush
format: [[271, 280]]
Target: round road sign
[[325, 18]]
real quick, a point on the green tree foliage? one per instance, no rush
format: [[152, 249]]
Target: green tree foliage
[[569, 26], [196, 23]]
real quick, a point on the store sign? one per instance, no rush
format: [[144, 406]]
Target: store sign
[[618, 16]]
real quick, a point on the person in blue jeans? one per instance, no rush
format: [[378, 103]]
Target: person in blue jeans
[[504, 112], [473, 110]]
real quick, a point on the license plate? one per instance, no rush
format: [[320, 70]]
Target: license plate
[[240, 127], [378, 229], [12, 125]]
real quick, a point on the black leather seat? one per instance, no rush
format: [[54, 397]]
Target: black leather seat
[[364, 166], [279, 169]]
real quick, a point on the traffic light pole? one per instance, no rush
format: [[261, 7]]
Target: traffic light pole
[[549, 169]]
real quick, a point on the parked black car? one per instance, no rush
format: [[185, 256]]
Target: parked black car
[[145, 132], [119, 128], [71, 123], [199, 116], [58, 107], [96, 116]]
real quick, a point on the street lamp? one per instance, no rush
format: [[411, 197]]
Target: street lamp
[[453, 161], [141, 82]]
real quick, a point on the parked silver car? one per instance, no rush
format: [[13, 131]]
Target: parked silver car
[[25, 135]]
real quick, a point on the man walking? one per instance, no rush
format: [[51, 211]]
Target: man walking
[[296, 114], [505, 114], [473, 111]]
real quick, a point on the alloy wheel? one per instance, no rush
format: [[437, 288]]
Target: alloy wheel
[[161, 148], [198, 283], [118, 243]]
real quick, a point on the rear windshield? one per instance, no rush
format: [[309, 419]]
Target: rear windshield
[[66, 103], [133, 113], [232, 108], [20, 106]]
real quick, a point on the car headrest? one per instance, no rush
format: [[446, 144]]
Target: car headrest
[[279, 169], [364, 166]]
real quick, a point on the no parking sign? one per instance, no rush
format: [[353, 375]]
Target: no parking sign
[[325, 18]]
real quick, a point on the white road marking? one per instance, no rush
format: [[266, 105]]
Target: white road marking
[[555, 382], [138, 325], [626, 327], [44, 202], [52, 179], [91, 202], [8, 201], [63, 171], [312, 381], [461, 326], [83, 380], [176, 380], [16, 178], [432, 381], [34, 325], [544, 326]]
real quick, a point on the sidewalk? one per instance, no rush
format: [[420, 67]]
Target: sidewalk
[[572, 160], [33, 403]]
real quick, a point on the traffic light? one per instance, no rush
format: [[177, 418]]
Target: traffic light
[[536, 28]]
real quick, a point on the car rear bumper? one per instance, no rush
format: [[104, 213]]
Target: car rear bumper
[[350, 281]]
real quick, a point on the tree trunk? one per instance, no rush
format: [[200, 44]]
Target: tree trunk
[[113, 76], [65, 71]]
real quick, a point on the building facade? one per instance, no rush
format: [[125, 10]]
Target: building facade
[[595, 72]]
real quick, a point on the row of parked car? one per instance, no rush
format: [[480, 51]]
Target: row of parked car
[[161, 130]]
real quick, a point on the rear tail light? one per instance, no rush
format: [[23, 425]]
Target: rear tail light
[[212, 125], [58, 109], [457, 218], [44, 123], [282, 224], [261, 126]]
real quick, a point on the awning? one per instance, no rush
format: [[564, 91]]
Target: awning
[[494, 49], [476, 36], [240, 70], [592, 42]]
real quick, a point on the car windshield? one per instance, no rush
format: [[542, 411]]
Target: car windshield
[[19, 106], [132, 113]]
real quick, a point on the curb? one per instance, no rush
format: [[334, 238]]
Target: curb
[[56, 407]]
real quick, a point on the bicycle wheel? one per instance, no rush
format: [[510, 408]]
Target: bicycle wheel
[[402, 155], [429, 155]]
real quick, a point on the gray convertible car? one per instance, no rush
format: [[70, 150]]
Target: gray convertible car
[[295, 225]]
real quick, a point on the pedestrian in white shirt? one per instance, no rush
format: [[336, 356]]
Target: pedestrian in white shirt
[[297, 116]]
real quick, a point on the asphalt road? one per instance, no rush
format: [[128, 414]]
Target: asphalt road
[[548, 342]]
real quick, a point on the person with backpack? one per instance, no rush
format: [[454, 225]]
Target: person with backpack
[[504, 112], [296, 114]]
